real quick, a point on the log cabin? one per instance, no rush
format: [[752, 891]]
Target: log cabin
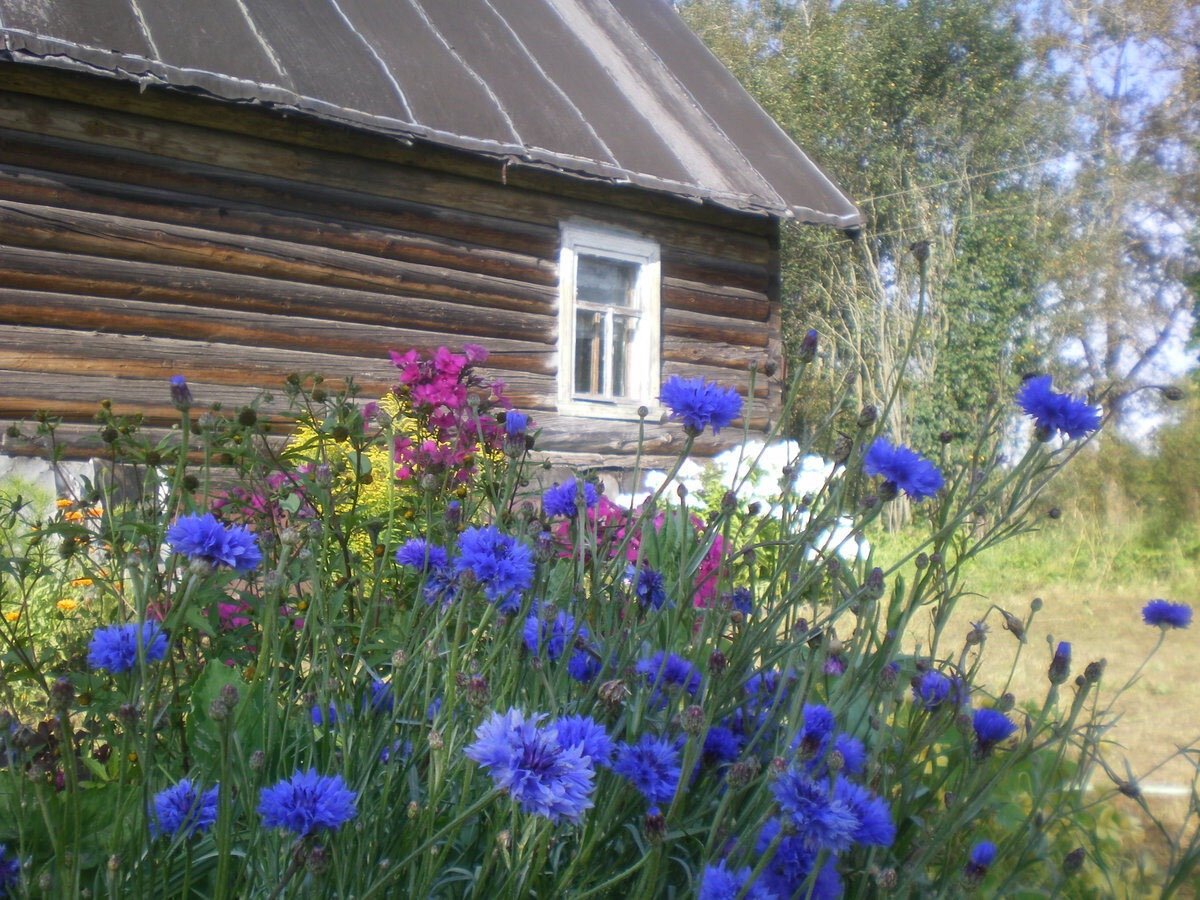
[[236, 190]]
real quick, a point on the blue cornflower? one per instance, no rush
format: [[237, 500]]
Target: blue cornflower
[[583, 666], [931, 689], [853, 753], [1056, 413], [791, 866], [700, 404], [379, 698], [10, 870], [826, 821], [742, 600], [501, 564], [586, 732], [721, 745], [991, 727], [325, 716], [983, 854], [400, 750], [203, 537], [183, 807], [441, 586], [563, 499], [649, 586], [903, 469], [419, 554], [533, 766], [551, 637], [875, 825], [720, 883], [515, 424], [114, 647], [815, 733], [1166, 614], [652, 764], [307, 802], [663, 670]]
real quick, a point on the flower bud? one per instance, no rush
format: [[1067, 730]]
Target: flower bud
[[258, 761], [1013, 624], [1060, 665], [614, 693], [867, 417], [692, 720], [181, 394], [808, 346], [655, 825], [717, 663], [229, 695], [1094, 670], [1073, 861], [62, 692]]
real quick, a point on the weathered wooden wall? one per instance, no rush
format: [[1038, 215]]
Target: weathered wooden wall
[[144, 237]]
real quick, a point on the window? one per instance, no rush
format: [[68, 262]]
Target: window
[[608, 335]]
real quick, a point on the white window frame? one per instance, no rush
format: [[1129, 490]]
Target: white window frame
[[644, 353]]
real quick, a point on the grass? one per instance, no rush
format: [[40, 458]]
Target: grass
[[1093, 580]]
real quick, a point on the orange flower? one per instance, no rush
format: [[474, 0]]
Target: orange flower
[[82, 582], [67, 605], [12, 616], [74, 516], [96, 511], [62, 503]]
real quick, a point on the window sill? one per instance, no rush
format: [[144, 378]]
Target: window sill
[[614, 412]]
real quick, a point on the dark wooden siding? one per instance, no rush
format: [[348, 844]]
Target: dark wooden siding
[[134, 247]]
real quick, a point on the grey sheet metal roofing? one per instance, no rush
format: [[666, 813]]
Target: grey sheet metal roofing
[[619, 90]]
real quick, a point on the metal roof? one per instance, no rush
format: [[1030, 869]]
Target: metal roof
[[619, 90]]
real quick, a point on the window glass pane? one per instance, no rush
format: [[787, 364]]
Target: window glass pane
[[622, 335], [589, 352], [607, 281]]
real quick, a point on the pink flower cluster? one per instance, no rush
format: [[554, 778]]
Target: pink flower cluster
[[451, 429], [613, 522]]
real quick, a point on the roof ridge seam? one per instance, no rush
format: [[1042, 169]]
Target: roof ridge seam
[[387, 73], [512, 126], [554, 84]]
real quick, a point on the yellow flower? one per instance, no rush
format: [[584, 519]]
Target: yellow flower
[[12, 616], [74, 516], [67, 605], [96, 511], [62, 503], [82, 582]]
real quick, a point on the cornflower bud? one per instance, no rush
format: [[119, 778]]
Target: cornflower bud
[[1094, 670], [655, 825], [62, 692], [229, 695], [1073, 861], [258, 761], [808, 346], [1013, 624], [692, 720], [717, 663], [743, 772], [181, 394], [614, 693], [867, 417], [1060, 665]]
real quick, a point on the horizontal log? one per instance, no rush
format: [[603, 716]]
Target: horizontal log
[[65, 273], [112, 237], [678, 323], [262, 122], [47, 189], [729, 302], [341, 171], [251, 329], [715, 271], [147, 176], [719, 355]]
